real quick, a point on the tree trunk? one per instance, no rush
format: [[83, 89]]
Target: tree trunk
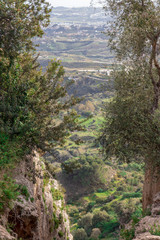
[[151, 184]]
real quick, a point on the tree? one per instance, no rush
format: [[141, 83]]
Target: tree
[[85, 169], [100, 217], [86, 223], [80, 234], [34, 104], [20, 21], [132, 127]]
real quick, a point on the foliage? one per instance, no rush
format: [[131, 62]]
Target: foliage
[[109, 227], [126, 210], [100, 217], [95, 233], [56, 194], [155, 230], [131, 195], [80, 234], [34, 104], [35, 109], [24, 191], [8, 192], [129, 129], [128, 234], [119, 211], [86, 221], [132, 130], [86, 168], [32, 101], [10, 151], [20, 21]]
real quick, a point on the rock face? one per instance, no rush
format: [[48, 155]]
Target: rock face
[[150, 224], [39, 212], [4, 235], [147, 236]]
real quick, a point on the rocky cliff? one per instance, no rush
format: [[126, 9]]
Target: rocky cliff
[[39, 211], [148, 227]]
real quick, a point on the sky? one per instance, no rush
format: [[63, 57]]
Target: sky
[[70, 3]]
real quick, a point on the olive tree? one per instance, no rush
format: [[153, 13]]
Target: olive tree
[[132, 129]]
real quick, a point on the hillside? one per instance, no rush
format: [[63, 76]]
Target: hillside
[[79, 123], [75, 37], [113, 189]]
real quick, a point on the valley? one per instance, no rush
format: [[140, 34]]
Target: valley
[[94, 187]]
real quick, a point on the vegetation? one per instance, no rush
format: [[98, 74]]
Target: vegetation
[[132, 129], [155, 230], [35, 109], [8, 192], [84, 168], [110, 206], [80, 234]]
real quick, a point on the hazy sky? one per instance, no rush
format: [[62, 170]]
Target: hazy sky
[[70, 3]]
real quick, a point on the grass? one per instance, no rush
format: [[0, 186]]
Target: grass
[[110, 199]]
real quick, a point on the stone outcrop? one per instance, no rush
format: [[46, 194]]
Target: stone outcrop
[[4, 235], [39, 212], [147, 236], [150, 224]]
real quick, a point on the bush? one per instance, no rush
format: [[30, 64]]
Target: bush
[[127, 234], [85, 168], [125, 210], [86, 222], [95, 233], [10, 151], [80, 234], [109, 227], [8, 192], [100, 217], [132, 195], [155, 230]]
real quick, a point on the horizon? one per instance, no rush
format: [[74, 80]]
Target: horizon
[[71, 3]]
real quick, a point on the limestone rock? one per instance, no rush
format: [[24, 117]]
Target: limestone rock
[[147, 236], [146, 223], [39, 212], [4, 235], [143, 228], [156, 205]]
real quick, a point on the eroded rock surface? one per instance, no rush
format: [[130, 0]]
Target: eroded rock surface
[[39, 212], [151, 223], [4, 235]]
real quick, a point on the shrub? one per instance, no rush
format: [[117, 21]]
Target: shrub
[[9, 150], [80, 234], [126, 209], [100, 217], [86, 222], [155, 230], [127, 234], [132, 195], [95, 233], [85, 168], [109, 227], [8, 191], [24, 191], [56, 194]]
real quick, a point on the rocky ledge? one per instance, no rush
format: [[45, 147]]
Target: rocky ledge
[[148, 227], [39, 212]]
